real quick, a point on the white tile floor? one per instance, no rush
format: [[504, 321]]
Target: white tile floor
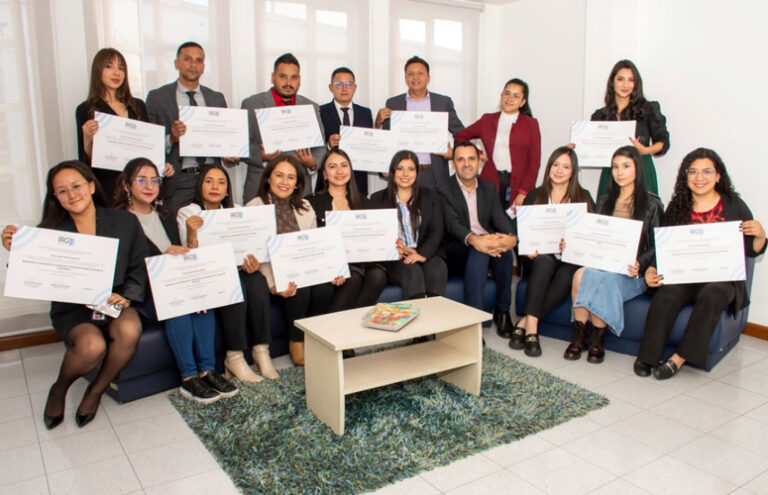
[[699, 433]]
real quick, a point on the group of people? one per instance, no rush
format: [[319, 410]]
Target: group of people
[[448, 224]]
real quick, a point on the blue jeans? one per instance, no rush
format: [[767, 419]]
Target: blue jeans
[[191, 338], [474, 265]]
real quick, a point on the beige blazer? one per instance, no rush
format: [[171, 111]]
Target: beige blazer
[[306, 220]]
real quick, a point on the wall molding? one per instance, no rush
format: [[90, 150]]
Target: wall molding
[[28, 340], [755, 330]]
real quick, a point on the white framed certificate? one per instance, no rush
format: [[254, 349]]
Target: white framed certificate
[[289, 128], [246, 229], [368, 149], [368, 235], [420, 132], [202, 279], [596, 141], [307, 257], [119, 140], [600, 241], [213, 131], [707, 252], [51, 265], [541, 227]]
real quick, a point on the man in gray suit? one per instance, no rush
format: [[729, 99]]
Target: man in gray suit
[[286, 79], [433, 167], [163, 109]]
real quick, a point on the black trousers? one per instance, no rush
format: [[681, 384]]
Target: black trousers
[[308, 301], [549, 284], [249, 318], [505, 195], [363, 288], [419, 279], [709, 301]]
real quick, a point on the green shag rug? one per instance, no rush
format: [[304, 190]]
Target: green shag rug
[[268, 442]]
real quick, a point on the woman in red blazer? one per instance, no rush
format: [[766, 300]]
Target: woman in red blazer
[[514, 172]]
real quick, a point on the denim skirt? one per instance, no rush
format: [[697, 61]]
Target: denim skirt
[[604, 295]]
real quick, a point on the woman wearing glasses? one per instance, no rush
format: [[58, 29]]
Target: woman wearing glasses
[[191, 336], [512, 141], [74, 203], [703, 194]]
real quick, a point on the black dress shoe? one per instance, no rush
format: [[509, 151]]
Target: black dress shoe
[[532, 347], [517, 340], [504, 326], [642, 369], [596, 338], [52, 422], [665, 370], [578, 341], [83, 419]]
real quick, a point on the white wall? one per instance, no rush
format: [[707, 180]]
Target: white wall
[[702, 60]]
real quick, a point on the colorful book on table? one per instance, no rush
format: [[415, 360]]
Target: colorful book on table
[[391, 317]]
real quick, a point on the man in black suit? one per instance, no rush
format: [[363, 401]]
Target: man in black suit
[[163, 109], [434, 167], [478, 233], [341, 111]]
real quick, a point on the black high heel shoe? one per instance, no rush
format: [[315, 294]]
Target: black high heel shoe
[[83, 419], [52, 422]]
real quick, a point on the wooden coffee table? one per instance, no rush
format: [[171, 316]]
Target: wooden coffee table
[[455, 355]]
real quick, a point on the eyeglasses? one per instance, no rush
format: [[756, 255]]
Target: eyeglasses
[[341, 84], [145, 181], [76, 188], [707, 172]]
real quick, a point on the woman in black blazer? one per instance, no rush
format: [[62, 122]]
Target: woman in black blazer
[[339, 192], [421, 270], [109, 93], [73, 203]]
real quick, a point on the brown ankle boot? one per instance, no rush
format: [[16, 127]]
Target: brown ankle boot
[[596, 338], [578, 341], [296, 350]]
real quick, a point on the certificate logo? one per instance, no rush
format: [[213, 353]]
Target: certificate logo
[[368, 133], [236, 214], [190, 257], [285, 111], [550, 211], [214, 113], [697, 231], [67, 241], [130, 125], [419, 116], [602, 127], [602, 221], [302, 237], [361, 216]]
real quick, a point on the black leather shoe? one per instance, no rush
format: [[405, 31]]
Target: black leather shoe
[[224, 387], [642, 369], [517, 340], [83, 419], [665, 370], [596, 338], [52, 422], [497, 317], [532, 347], [578, 341], [504, 326]]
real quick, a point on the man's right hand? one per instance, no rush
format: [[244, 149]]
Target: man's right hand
[[178, 129], [384, 114]]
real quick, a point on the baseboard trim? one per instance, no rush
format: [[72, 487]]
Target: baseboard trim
[[28, 340], [755, 330]]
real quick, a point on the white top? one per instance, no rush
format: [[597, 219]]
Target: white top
[[501, 145], [153, 229]]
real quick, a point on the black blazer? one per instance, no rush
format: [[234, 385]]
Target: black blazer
[[651, 123], [323, 201], [171, 230], [82, 114], [432, 220], [130, 272], [332, 123], [490, 213]]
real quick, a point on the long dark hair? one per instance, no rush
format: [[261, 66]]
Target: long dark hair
[[681, 205], [122, 197], [639, 196], [353, 194], [97, 90], [414, 204], [526, 109], [297, 196], [575, 193], [637, 100], [53, 212], [227, 202]]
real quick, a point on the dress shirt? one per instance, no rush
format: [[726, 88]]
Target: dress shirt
[[471, 198], [501, 149], [422, 105], [339, 110], [182, 98], [280, 101]]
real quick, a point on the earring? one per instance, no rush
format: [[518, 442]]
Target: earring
[[130, 199]]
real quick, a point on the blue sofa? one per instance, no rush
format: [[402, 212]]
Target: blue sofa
[[558, 324], [153, 368]]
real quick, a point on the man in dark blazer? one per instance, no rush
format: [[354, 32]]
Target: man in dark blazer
[[478, 233], [163, 109], [342, 111], [434, 167], [286, 79]]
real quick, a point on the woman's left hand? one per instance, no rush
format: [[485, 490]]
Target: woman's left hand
[[643, 149], [250, 263], [118, 299], [339, 280], [633, 270], [414, 257], [168, 171], [753, 227], [176, 250]]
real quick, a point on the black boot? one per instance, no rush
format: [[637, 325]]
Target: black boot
[[578, 341], [504, 326], [596, 338]]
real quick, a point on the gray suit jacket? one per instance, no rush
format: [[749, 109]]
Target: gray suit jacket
[[255, 166], [163, 110], [439, 103]]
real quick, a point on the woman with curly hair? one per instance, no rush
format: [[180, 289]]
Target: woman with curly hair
[[624, 100], [703, 194]]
